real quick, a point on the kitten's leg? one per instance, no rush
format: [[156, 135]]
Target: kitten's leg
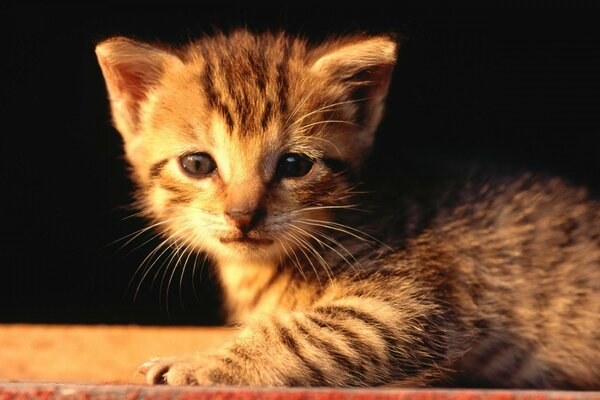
[[349, 341]]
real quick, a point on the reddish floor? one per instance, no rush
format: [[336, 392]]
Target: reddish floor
[[95, 354], [121, 392], [106, 357]]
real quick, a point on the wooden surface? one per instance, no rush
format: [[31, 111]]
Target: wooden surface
[[96, 354], [25, 391], [53, 355]]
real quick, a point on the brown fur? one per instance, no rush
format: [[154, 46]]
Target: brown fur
[[496, 282]]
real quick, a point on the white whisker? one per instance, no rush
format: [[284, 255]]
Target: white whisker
[[301, 247], [314, 208], [138, 233], [309, 247], [327, 108], [344, 229], [338, 244], [189, 250], [194, 273], [304, 128], [296, 262], [166, 242]]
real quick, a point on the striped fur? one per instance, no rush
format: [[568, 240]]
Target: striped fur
[[489, 281]]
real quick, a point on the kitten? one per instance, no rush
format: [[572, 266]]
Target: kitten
[[250, 148]]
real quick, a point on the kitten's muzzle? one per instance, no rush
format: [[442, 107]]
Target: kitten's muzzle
[[244, 219]]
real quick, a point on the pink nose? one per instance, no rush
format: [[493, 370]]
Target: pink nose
[[244, 220]]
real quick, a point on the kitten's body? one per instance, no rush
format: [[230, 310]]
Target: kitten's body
[[490, 280]]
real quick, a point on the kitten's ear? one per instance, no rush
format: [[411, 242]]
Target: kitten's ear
[[364, 66], [131, 70]]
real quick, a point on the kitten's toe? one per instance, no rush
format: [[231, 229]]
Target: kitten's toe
[[171, 371], [155, 371], [182, 373]]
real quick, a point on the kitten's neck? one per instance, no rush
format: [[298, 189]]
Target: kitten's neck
[[252, 287]]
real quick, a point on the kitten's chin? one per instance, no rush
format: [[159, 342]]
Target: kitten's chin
[[245, 249]]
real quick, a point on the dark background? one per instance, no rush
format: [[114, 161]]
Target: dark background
[[517, 85]]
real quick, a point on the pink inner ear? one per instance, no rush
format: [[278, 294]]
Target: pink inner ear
[[126, 89], [129, 88], [130, 84], [130, 70]]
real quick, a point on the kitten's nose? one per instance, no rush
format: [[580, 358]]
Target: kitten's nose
[[244, 220], [244, 205]]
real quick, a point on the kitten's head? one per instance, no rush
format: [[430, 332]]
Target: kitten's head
[[241, 143]]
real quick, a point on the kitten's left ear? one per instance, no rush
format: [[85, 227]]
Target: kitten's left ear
[[131, 70], [364, 66]]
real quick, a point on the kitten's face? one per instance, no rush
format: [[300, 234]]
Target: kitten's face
[[243, 145]]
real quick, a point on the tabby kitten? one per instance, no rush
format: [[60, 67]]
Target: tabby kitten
[[250, 148]]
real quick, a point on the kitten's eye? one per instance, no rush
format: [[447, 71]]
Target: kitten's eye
[[198, 165], [294, 165]]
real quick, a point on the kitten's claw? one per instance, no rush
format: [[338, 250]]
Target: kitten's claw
[[145, 367], [171, 371]]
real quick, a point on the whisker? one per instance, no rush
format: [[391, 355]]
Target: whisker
[[167, 262], [323, 244], [341, 246], [342, 207], [178, 245], [147, 268], [181, 248], [327, 226], [304, 128], [166, 242], [328, 107], [345, 229], [189, 250], [143, 265], [296, 262], [319, 257], [165, 273], [330, 142], [146, 242], [301, 246], [299, 105], [194, 273], [138, 233], [134, 215]]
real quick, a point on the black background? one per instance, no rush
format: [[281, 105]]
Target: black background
[[518, 85]]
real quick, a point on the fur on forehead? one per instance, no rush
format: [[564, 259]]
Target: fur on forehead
[[254, 79], [256, 83]]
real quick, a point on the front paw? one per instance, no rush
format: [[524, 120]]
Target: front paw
[[175, 371]]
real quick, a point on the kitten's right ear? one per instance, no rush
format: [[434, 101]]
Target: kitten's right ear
[[131, 70], [363, 65]]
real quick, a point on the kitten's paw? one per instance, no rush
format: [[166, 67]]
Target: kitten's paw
[[175, 371]]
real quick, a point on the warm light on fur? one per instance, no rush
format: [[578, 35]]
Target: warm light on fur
[[492, 280], [160, 108]]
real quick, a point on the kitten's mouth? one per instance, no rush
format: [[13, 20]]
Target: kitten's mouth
[[246, 240]]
